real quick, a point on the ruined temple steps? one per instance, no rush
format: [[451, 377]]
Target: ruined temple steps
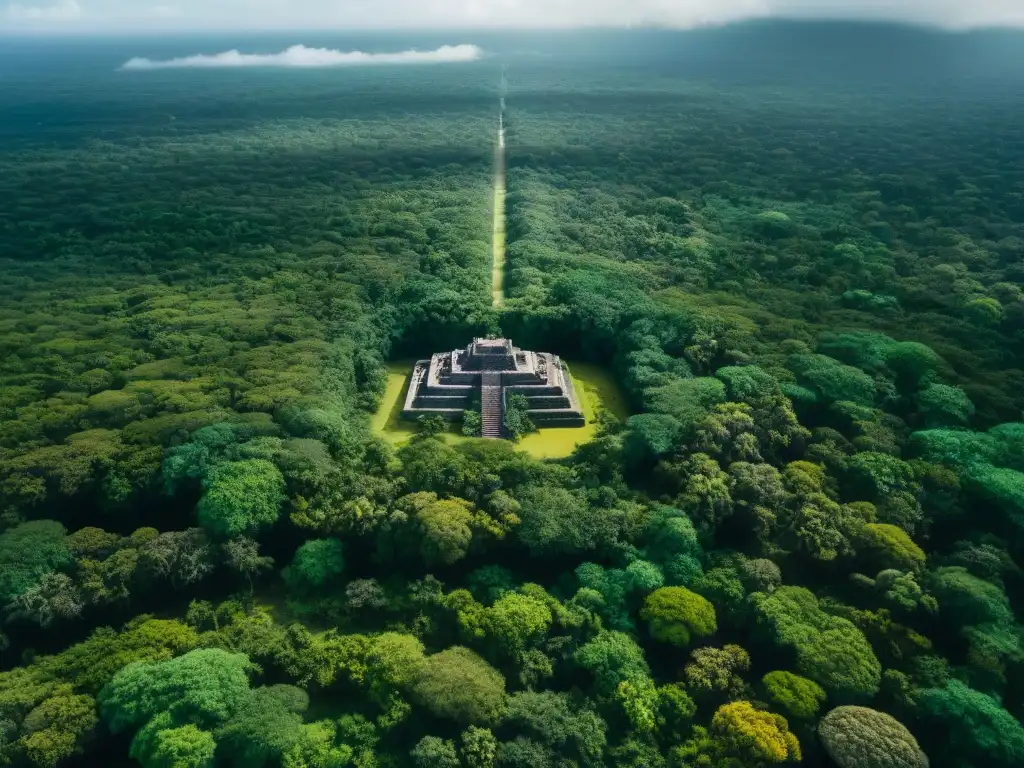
[[487, 371]]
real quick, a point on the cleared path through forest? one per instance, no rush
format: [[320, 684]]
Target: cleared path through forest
[[498, 233]]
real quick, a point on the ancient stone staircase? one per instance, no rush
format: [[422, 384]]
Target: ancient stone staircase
[[490, 404]]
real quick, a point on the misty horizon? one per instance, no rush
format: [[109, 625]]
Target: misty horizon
[[163, 16]]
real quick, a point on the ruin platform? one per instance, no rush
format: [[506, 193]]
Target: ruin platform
[[484, 375]]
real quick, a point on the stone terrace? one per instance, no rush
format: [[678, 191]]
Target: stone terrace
[[483, 375]]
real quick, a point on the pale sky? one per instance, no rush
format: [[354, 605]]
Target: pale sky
[[103, 15]]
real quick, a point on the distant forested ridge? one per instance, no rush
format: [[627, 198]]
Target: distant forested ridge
[[805, 271]]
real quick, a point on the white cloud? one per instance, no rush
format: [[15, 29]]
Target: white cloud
[[301, 56], [66, 10]]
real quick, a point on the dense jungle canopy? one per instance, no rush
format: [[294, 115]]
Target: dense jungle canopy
[[799, 249]]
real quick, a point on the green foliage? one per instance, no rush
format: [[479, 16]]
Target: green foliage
[[670, 533], [316, 748], [761, 575], [705, 493], [799, 697], [459, 685], [955, 447], [161, 744], [243, 555], [942, 405], [829, 650], [517, 621], [912, 362], [93, 542], [561, 521], [757, 492], [676, 615], [1002, 487], [877, 475], [975, 725], [432, 426], [776, 423], [478, 748], [198, 307], [265, 727], [517, 419], [1009, 442], [643, 576], [823, 529], [750, 735], [241, 497], [393, 660], [472, 423], [28, 552], [858, 737], [563, 730], [58, 728], [649, 436], [832, 381], [639, 700], [194, 459], [316, 564], [904, 592], [984, 311], [612, 658], [446, 532], [685, 400], [891, 547], [717, 673], [522, 753], [966, 599], [432, 752], [613, 586], [675, 711], [206, 686], [723, 587]]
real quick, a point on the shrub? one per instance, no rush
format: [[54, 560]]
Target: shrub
[[858, 737], [677, 615], [800, 697]]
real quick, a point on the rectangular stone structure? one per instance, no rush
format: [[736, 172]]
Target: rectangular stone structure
[[449, 383]]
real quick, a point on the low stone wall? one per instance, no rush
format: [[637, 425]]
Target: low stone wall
[[531, 391], [550, 402], [521, 378], [559, 418], [448, 414], [442, 401], [454, 390]]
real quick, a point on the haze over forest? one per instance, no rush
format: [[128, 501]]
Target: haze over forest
[[268, 15], [781, 258]]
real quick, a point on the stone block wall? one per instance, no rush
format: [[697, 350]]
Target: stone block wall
[[442, 401], [448, 414], [559, 418], [446, 384], [534, 391], [548, 402]]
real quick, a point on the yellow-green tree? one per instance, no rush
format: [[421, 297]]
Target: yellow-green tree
[[676, 615], [753, 736]]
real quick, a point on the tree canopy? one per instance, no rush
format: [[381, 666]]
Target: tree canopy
[[787, 286]]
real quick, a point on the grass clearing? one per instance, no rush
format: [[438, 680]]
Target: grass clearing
[[595, 387], [387, 421]]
